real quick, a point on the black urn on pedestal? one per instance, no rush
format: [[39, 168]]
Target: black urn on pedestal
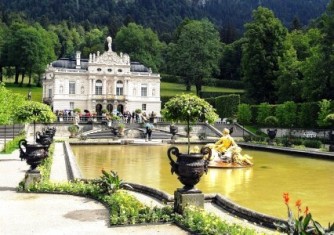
[[44, 139], [271, 134], [189, 167], [33, 153]]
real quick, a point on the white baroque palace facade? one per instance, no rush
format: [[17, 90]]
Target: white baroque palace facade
[[104, 81]]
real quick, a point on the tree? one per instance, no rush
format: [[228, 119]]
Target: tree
[[196, 53], [289, 75], [3, 32], [9, 102], [33, 49], [264, 45], [231, 60], [142, 44], [189, 109], [319, 68], [93, 41], [325, 109]]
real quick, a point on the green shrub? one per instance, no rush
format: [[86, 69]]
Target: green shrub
[[312, 143], [201, 222], [271, 121], [286, 142], [297, 141]]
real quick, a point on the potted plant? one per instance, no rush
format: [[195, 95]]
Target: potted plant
[[73, 129], [121, 127], [32, 112], [104, 112], [77, 110], [188, 109]]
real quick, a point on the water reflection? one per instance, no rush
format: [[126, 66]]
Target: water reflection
[[259, 187]]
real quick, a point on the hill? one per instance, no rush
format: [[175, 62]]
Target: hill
[[162, 16]]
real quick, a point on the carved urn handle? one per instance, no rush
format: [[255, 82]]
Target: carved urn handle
[[22, 152], [38, 135], [175, 151]]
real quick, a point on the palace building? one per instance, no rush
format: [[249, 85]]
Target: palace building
[[104, 81]]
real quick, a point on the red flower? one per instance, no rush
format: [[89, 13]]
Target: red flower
[[286, 198], [306, 211], [298, 204]]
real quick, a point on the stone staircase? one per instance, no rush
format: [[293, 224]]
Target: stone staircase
[[132, 130]]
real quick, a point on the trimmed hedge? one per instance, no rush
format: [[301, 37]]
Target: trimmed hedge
[[307, 115], [227, 106]]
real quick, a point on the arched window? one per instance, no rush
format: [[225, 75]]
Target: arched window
[[98, 87], [119, 88]]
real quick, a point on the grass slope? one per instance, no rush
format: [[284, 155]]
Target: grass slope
[[166, 89]]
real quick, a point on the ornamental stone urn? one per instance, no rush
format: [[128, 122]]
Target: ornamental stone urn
[[189, 167], [44, 139], [33, 153], [271, 134]]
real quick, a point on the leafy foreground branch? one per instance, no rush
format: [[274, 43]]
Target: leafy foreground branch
[[125, 209]]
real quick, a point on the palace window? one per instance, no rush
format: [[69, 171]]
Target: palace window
[[143, 107], [72, 88], [71, 105], [144, 90], [119, 88], [109, 70], [98, 87], [99, 69]]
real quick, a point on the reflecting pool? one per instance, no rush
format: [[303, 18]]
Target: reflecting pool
[[259, 188]]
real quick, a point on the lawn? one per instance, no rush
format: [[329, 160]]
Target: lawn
[[36, 92], [172, 89], [166, 89]]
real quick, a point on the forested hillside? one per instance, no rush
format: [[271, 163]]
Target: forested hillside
[[162, 16]]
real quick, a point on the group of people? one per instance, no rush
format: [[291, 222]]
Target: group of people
[[226, 150]]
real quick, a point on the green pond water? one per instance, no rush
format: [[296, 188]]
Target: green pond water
[[259, 188]]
